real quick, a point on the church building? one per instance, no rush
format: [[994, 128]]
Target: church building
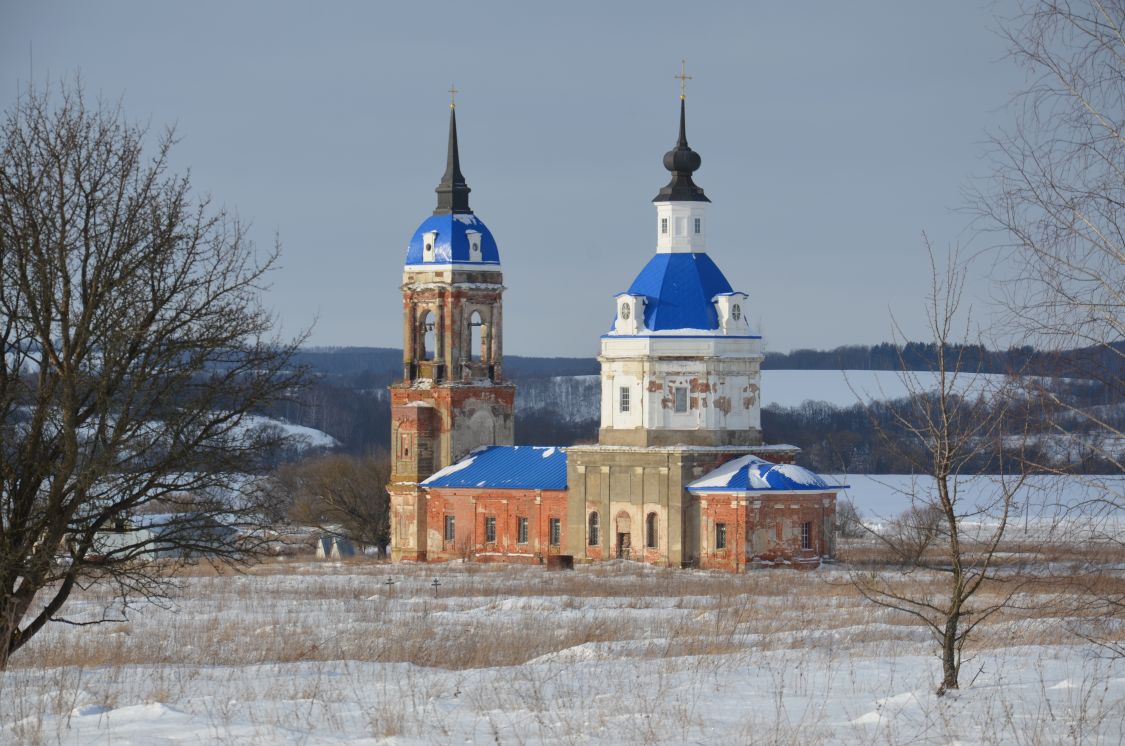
[[681, 474]]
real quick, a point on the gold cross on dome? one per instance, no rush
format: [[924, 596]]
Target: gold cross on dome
[[683, 77], [453, 96]]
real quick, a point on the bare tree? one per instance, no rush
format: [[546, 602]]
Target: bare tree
[[134, 347], [343, 495], [949, 426], [1057, 202], [849, 522]]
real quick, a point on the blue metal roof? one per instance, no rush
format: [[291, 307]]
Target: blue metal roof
[[680, 288], [753, 474], [513, 467], [451, 244]]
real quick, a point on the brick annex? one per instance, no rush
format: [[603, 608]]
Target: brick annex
[[681, 474]]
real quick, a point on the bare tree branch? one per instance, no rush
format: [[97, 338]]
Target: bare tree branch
[[134, 349]]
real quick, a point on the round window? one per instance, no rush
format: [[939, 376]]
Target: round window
[[736, 312], [625, 311]]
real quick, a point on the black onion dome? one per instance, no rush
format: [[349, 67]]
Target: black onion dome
[[452, 191], [682, 161]]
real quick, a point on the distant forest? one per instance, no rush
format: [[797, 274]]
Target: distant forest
[[349, 400], [381, 366]]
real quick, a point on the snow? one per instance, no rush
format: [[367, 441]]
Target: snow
[[466, 218], [615, 653], [1047, 506], [453, 468], [304, 436], [458, 285], [760, 476], [721, 477], [682, 332], [548, 452], [844, 388], [798, 474]]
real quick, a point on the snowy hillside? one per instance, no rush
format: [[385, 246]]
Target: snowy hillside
[[576, 398], [843, 388], [301, 437], [1046, 506], [569, 398]]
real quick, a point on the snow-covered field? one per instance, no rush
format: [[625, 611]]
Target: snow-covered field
[[844, 388], [1044, 507], [618, 653]]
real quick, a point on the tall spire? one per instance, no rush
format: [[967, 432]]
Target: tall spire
[[682, 161], [452, 191]]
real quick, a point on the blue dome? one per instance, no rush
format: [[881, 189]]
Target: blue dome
[[452, 244], [753, 474], [679, 289]]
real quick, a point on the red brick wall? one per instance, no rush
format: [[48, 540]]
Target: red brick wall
[[506, 506], [766, 527]]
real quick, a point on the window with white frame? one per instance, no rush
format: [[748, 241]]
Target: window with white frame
[[663, 225], [623, 398], [490, 529], [554, 531], [698, 225], [681, 400], [521, 530], [806, 535], [720, 536], [450, 528]]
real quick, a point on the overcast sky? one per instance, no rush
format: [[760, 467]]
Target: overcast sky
[[832, 134]]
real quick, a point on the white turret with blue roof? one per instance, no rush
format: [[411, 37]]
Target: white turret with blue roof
[[681, 364]]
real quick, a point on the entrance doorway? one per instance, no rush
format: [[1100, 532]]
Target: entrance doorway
[[624, 545], [624, 538]]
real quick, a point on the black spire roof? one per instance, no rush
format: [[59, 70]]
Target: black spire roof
[[452, 191], [681, 161]]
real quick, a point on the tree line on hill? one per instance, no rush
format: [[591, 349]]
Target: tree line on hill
[[348, 400], [370, 367]]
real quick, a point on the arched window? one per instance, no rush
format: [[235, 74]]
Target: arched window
[[594, 533], [650, 531], [475, 345], [428, 337]]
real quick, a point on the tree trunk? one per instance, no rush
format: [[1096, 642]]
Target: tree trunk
[[949, 664]]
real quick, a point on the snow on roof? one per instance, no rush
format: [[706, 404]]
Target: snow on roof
[[451, 469], [511, 467], [452, 242], [753, 474], [722, 476]]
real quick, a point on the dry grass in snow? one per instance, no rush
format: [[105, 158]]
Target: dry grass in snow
[[613, 653]]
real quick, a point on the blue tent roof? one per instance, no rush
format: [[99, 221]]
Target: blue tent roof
[[679, 288], [753, 474], [513, 467], [451, 244]]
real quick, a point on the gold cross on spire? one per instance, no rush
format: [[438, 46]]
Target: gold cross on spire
[[683, 77], [453, 96]]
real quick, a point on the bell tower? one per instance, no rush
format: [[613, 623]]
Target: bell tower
[[453, 397]]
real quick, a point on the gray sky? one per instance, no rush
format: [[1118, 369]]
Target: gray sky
[[832, 135]]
